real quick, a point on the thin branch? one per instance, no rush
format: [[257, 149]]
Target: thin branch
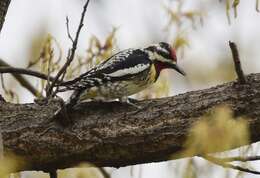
[[4, 4], [23, 81], [104, 172], [221, 163], [239, 158], [21, 71], [238, 68], [68, 30], [71, 52], [257, 6]]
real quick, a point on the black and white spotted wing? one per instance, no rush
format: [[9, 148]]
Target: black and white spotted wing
[[121, 66]]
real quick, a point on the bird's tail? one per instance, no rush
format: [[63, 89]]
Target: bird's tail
[[66, 86], [73, 99]]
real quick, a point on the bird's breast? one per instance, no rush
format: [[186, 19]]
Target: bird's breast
[[119, 89]]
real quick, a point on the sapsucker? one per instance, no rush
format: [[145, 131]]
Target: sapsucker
[[123, 74]]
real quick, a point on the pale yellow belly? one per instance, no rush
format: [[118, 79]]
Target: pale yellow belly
[[120, 89], [113, 91]]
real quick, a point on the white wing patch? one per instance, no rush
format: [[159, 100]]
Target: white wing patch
[[131, 70], [118, 57]]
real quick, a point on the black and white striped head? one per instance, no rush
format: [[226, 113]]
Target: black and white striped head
[[163, 56]]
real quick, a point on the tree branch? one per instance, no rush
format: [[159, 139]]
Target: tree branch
[[22, 71], [114, 135], [104, 173], [71, 52], [220, 162], [237, 63], [6, 68], [240, 158], [4, 4]]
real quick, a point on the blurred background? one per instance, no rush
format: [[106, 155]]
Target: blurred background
[[35, 30]]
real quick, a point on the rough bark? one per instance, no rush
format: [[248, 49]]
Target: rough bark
[[4, 4], [112, 134]]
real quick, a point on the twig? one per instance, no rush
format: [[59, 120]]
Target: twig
[[24, 82], [53, 174], [219, 162], [257, 6], [71, 52], [238, 68], [68, 29], [104, 172], [22, 71], [239, 158]]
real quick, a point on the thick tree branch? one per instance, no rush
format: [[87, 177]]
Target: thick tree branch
[[112, 134]]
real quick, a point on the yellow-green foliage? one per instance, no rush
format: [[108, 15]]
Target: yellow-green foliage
[[9, 94], [217, 131], [234, 4], [177, 23], [95, 53], [83, 171], [45, 60], [178, 15], [190, 170], [9, 164]]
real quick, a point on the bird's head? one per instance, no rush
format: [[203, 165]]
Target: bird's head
[[163, 57]]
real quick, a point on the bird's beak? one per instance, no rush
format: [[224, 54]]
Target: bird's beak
[[177, 68]]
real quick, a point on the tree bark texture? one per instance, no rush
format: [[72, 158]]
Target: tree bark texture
[[4, 4], [113, 134]]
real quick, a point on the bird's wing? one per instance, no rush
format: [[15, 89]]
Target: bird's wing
[[121, 66]]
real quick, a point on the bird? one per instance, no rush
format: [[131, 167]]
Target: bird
[[122, 75]]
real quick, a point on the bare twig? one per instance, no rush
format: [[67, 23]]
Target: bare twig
[[22, 71], [224, 164], [239, 158], [104, 172], [68, 29], [238, 68], [24, 82], [71, 52], [257, 6], [4, 4]]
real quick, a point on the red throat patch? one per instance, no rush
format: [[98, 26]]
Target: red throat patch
[[159, 66], [173, 54]]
